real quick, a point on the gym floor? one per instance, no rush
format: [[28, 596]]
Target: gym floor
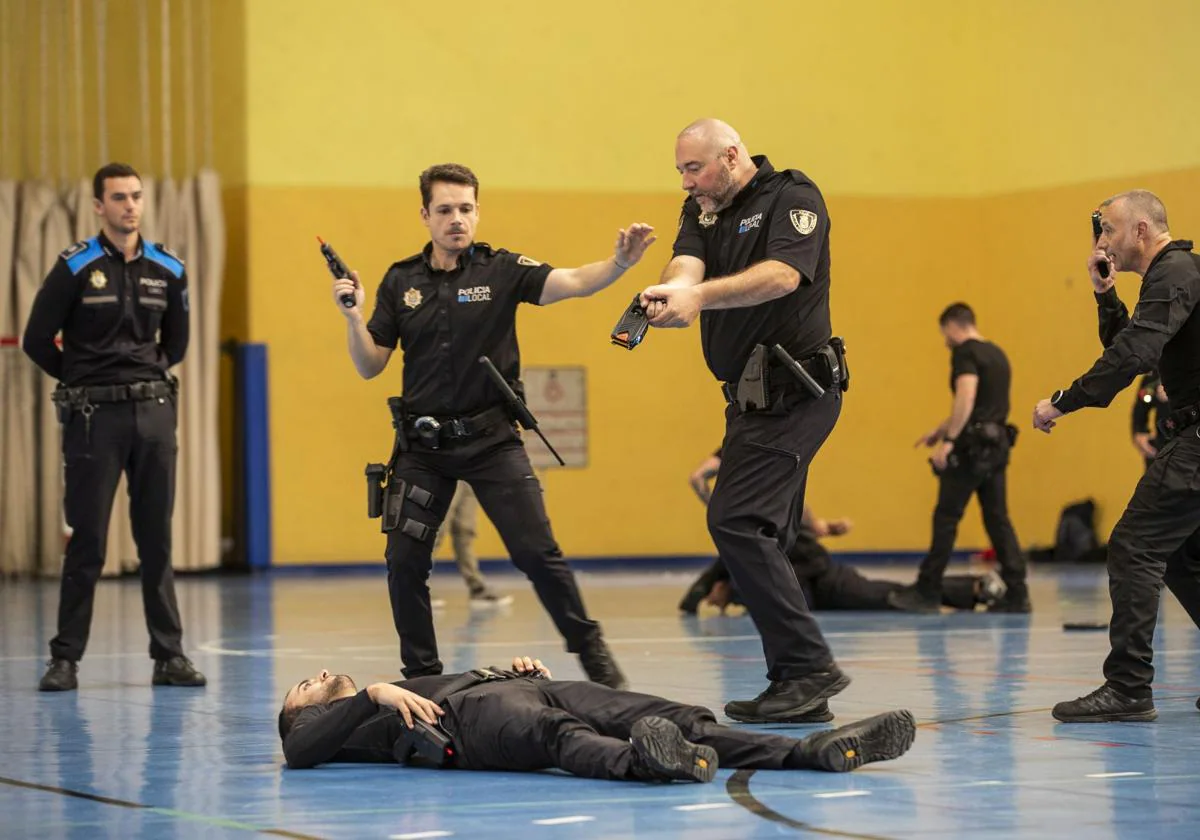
[[121, 759]]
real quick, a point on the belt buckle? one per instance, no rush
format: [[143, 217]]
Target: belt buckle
[[428, 431]]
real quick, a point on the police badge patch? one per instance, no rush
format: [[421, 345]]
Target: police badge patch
[[524, 260], [708, 219], [804, 221], [412, 298], [98, 280]]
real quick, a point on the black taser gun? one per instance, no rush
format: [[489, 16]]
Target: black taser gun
[[518, 408], [337, 268], [1097, 229], [429, 742], [631, 329]]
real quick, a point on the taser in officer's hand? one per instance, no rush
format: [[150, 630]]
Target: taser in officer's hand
[[337, 268], [631, 328]]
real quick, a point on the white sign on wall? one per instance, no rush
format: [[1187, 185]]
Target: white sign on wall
[[557, 396]]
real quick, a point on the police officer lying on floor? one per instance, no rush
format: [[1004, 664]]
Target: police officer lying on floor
[[827, 584], [523, 720]]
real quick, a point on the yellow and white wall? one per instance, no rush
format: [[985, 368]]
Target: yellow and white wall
[[960, 146]]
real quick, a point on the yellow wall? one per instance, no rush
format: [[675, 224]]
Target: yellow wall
[[956, 142], [960, 146]]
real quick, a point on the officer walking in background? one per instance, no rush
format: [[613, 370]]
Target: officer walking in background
[[446, 307], [460, 522], [1151, 400], [1157, 539], [751, 261], [122, 307], [971, 457]]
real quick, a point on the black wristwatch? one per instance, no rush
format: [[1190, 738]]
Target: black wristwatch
[[1056, 396]]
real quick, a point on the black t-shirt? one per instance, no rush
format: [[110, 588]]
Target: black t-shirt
[[121, 322], [777, 216], [988, 362], [445, 320]]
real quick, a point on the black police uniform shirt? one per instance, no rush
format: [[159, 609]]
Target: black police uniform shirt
[[121, 322], [1163, 334], [776, 216], [445, 320], [988, 362]]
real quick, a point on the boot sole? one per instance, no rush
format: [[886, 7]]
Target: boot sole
[[44, 687], [880, 738], [662, 746], [812, 717], [1115, 717], [801, 713]]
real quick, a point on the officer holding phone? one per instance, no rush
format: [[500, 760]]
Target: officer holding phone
[[1157, 539]]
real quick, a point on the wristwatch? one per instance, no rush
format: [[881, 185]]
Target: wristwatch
[[1056, 396]]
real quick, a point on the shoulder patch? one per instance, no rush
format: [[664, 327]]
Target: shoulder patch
[[529, 261], [160, 255], [804, 221], [82, 254]]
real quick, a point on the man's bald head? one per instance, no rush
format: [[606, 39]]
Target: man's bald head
[[714, 163], [715, 134]]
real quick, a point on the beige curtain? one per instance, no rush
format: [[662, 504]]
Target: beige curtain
[[186, 217]]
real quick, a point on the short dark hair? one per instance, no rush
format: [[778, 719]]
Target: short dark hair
[[111, 170], [958, 313], [287, 716], [453, 173]]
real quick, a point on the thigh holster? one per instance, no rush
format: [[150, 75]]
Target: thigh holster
[[396, 497]]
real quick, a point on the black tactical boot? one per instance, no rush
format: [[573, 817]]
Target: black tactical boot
[[178, 670], [792, 701], [60, 676], [1015, 600], [879, 738], [664, 754], [1105, 705], [599, 665], [912, 599]]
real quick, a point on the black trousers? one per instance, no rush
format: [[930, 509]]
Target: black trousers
[[497, 468], [844, 588], [839, 587], [584, 728], [754, 516], [1156, 541], [138, 439], [956, 485]]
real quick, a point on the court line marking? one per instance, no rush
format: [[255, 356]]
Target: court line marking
[[169, 812], [738, 788], [841, 794], [703, 806], [564, 820], [421, 835], [1111, 775]]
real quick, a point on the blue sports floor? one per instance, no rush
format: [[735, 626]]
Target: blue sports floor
[[120, 759]]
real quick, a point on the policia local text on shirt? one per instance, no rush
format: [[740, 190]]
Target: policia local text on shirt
[[446, 307], [1157, 539], [121, 305]]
